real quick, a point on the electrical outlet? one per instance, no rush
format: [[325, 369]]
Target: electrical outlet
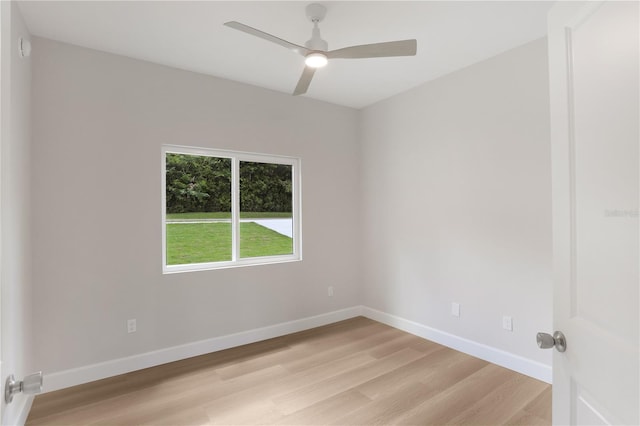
[[131, 326], [507, 323], [330, 291], [455, 309]]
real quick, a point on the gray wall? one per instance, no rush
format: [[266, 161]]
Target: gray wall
[[15, 210], [99, 123], [457, 202], [436, 195]]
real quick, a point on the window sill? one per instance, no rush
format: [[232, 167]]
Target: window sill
[[194, 267]]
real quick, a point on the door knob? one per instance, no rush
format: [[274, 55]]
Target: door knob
[[546, 341]]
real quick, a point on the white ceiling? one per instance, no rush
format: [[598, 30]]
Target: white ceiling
[[190, 35]]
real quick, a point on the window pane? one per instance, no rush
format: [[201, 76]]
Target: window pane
[[266, 220], [198, 194]]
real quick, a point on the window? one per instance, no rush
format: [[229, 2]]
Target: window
[[223, 208]]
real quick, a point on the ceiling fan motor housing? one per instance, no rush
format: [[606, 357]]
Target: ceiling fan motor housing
[[316, 42]]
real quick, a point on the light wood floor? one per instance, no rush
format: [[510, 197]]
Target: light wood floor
[[353, 372]]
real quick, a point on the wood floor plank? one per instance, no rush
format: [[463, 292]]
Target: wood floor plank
[[152, 377], [252, 412], [327, 354], [197, 394], [220, 407], [314, 393], [392, 381], [522, 418], [356, 371], [499, 405], [167, 416], [78, 396], [444, 406], [328, 410], [255, 364], [181, 393], [391, 345], [385, 409], [338, 334], [540, 406]]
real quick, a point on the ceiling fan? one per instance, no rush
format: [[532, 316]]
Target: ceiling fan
[[316, 52]]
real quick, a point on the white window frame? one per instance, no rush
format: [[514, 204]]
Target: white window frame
[[236, 157]]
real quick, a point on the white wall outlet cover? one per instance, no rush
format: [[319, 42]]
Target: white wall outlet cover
[[131, 326], [455, 309], [507, 323]]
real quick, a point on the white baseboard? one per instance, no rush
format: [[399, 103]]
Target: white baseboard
[[89, 373], [502, 358], [18, 415], [24, 410]]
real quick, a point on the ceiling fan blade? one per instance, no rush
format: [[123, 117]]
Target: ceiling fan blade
[[376, 50], [254, 32], [305, 80]]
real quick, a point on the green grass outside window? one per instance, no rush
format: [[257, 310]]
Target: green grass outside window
[[211, 242]]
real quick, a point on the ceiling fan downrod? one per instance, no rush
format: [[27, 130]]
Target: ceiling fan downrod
[[316, 13]]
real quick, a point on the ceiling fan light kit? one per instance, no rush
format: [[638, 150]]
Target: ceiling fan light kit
[[316, 60], [316, 50]]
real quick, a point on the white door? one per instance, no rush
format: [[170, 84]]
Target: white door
[[3, 134], [594, 73]]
